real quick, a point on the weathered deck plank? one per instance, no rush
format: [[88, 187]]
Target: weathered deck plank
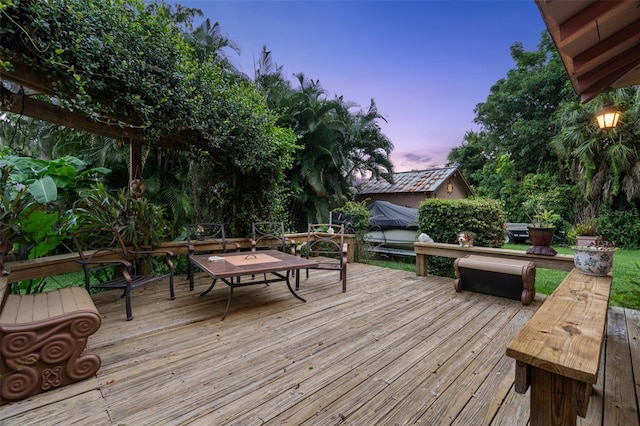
[[633, 330], [394, 349], [619, 403], [477, 394]]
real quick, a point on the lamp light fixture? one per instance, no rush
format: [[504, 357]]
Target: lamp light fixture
[[608, 117]]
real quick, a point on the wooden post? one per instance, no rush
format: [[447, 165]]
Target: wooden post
[[135, 160], [422, 265], [553, 399]]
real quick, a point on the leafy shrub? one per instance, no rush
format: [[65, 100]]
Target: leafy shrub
[[621, 226], [33, 196], [589, 227], [356, 218], [443, 220], [140, 222]]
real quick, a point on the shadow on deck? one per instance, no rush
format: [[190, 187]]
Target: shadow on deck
[[394, 349]]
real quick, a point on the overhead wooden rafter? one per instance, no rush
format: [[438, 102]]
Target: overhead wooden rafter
[[28, 105], [598, 41]]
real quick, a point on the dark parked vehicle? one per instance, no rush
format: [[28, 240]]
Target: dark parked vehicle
[[518, 233]]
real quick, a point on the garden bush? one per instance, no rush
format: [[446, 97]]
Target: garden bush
[[443, 220], [621, 227]]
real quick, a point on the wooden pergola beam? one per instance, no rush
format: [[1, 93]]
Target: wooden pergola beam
[[20, 104]]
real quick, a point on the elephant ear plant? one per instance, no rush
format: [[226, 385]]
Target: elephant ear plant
[[31, 203], [23, 201]]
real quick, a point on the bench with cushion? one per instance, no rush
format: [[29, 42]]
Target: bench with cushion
[[42, 341], [514, 279], [558, 350]]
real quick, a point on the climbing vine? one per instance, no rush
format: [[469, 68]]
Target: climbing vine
[[129, 62]]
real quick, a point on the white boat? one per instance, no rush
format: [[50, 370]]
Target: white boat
[[392, 238], [393, 229]]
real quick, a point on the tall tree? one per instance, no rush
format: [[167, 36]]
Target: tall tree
[[210, 46], [470, 156], [367, 147], [337, 143], [606, 163], [516, 116], [516, 126]]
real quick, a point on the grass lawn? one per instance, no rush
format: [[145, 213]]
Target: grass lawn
[[625, 291]]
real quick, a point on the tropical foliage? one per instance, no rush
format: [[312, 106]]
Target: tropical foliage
[[34, 198], [144, 67], [271, 148], [337, 145], [605, 163], [538, 142]]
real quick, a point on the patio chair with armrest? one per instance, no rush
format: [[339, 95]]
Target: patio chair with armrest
[[268, 236], [106, 259], [206, 238], [326, 241]]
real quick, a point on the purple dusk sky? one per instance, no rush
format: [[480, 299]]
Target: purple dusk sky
[[425, 63]]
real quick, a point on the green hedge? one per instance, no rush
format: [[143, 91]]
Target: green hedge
[[443, 220]]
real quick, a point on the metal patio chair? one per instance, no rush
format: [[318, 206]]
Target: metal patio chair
[[108, 263], [326, 241]]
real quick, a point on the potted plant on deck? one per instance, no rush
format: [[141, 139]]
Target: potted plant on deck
[[595, 258], [585, 233], [541, 232]]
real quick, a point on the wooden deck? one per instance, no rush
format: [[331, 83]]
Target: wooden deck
[[394, 349]]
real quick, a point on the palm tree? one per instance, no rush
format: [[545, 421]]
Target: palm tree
[[209, 44], [337, 145], [270, 79], [368, 149], [315, 176], [604, 162]]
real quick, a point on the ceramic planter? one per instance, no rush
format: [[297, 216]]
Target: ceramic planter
[[587, 240], [541, 239], [593, 261]]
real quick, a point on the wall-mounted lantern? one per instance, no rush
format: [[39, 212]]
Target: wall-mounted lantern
[[608, 117]]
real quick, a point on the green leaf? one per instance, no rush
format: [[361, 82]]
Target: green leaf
[[44, 190]]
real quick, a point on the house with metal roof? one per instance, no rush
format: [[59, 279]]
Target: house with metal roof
[[411, 188]]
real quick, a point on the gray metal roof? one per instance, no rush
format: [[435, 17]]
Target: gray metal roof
[[413, 181]]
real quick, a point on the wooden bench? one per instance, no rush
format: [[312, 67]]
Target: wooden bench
[[42, 341], [562, 262], [514, 279], [558, 350]]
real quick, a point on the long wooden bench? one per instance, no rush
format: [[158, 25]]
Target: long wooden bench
[[563, 262], [42, 340], [558, 350]]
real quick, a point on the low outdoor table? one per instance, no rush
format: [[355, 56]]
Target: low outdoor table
[[229, 267]]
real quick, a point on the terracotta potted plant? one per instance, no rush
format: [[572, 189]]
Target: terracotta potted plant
[[541, 232]]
